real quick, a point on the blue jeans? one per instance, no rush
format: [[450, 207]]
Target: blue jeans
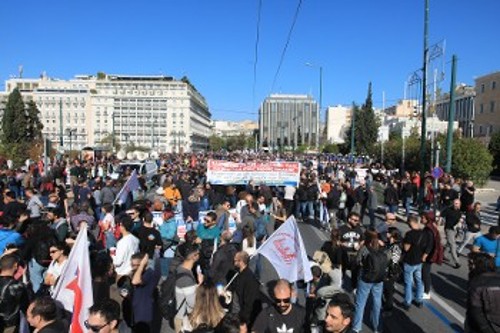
[[36, 274], [408, 203], [363, 292], [411, 272]]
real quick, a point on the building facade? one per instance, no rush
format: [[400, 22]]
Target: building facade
[[338, 121], [487, 106], [464, 108], [157, 112], [404, 108], [234, 128], [288, 121]]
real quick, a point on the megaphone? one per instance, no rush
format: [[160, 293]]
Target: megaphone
[[121, 155]]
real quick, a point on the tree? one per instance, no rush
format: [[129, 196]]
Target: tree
[[330, 148], [15, 120], [216, 143], [494, 148], [34, 126], [107, 142], [236, 142], [366, 126], [471, 160]]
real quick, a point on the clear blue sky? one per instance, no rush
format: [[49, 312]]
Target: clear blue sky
[[213, 42]]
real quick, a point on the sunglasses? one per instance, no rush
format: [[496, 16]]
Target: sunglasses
[[94, 328], [282, 300]]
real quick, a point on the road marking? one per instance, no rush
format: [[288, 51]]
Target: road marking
[[442, 317], [447, 307]]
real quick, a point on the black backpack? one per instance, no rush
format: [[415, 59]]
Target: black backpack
[[374, 266], [167, 303]]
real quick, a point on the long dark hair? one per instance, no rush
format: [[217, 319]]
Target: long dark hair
[[371, 239]]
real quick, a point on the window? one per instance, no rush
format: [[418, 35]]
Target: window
[[482, 88], [491, 129], [493, 85], [481, 108], [480, 129], [492, 106]]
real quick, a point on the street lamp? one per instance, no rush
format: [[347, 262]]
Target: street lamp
[[320, 99], [70, 132]]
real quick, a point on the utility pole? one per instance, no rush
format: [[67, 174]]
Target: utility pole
[[353, 129], [61, 135], [320, 105], [451, 116], [423, 134]]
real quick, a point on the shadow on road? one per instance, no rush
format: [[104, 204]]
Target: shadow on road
[[451, 287]]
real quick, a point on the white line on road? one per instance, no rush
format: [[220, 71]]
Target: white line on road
[[447, 307]]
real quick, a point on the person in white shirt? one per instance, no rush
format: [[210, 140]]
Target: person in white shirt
[[289, 199], [59, 254], [126, 247]]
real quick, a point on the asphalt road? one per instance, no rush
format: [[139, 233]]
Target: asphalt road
[[444, 312]]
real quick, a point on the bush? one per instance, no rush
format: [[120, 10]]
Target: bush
[[471, 160]]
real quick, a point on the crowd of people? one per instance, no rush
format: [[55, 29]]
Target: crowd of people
[[181, 254]]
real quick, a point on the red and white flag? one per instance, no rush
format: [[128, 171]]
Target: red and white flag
[[74, 287], [286, 252]]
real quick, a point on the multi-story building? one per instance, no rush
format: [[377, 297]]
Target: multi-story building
[[487, 106], [337, 123], [157, 112], [464, 108], [404, 108], [289, 121], [234, 128]]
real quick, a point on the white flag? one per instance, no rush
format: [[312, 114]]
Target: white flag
[[286, 252], [74, 287]]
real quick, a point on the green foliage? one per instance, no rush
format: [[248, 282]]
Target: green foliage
[[21, 130], [301, 149], [216, 143], [330, 148], [366, 126], [35, 126], [494, 148], [107, 143], [101, 75], [471, 160], [236, 142], [15, 119]]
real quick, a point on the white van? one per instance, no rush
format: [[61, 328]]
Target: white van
[[148, 170]]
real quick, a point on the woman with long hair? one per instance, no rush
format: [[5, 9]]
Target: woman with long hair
[[435, 256], [207, 312]]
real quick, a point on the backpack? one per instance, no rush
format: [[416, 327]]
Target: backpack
[[167, 302], [374, 266]]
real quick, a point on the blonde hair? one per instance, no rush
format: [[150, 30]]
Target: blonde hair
[[207, 309]]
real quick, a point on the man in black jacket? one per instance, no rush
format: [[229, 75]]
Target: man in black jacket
[[14, 294], [483, 303], [222, 259], [452, 216], [246, 290], [42, 315]]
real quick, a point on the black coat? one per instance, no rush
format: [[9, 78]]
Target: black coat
[[247, 289]]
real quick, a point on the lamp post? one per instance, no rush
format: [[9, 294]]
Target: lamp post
[[320, 100], [70, 132]]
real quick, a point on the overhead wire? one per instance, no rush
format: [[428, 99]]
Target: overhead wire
[[283, 53]]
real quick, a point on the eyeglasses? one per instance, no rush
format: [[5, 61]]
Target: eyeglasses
[[282, 300], [94, 328]]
